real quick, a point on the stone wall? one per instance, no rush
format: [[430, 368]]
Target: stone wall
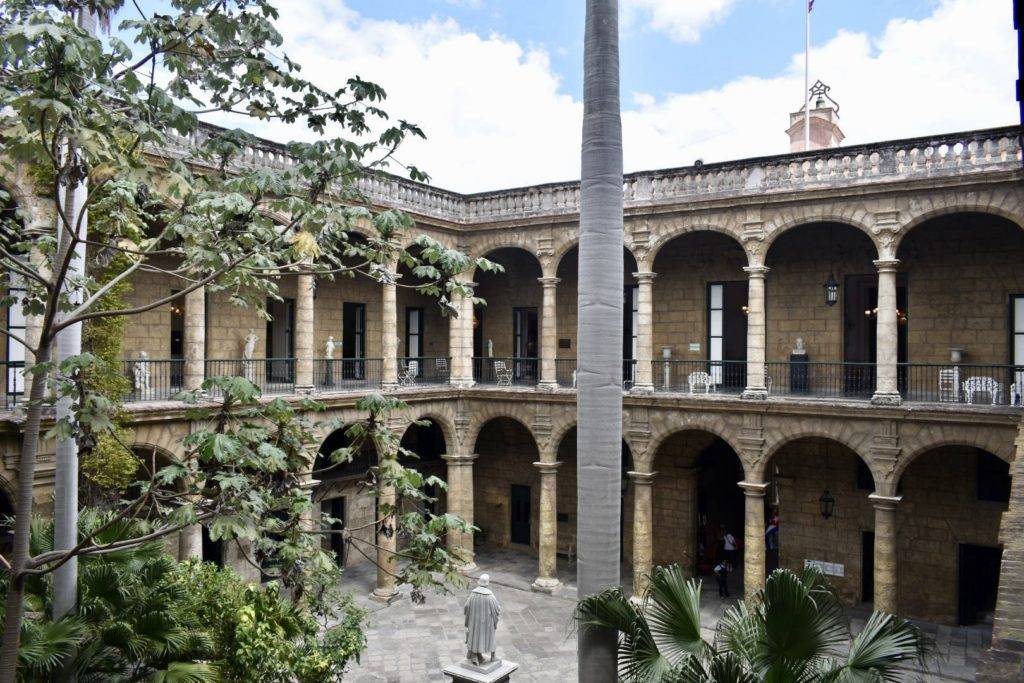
[[151, 331], [516, 287], [360, 511], [507, 453], [328, 312]]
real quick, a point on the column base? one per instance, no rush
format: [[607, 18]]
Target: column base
[[389, 386], [385, 596], [468, 568], [642, 389], [547, 386], [543, 585], [462, 383], [881, 399], [754, 394], [305, 390]]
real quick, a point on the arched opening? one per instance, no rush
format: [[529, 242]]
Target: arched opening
[[700, 312], [427, 442], [967, 294], [948, 531], [343, 496], [568, 318], [698, 505], [423, 332], [506, 486], [506, 331], [804, 475], [568, 501], [808, 262]]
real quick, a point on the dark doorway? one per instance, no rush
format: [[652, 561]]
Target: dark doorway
[[213, 551], [414, 347], [524, 343], [280, 340], [727, 333], [177, 342], [353, 339], [867, 566], [721, 507], [520, 505], [630, 325], [860, 332], [335, 507], [978, 583]]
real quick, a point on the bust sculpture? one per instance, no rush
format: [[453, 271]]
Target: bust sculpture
[[141, 372], [329, 351], [490, 348], [799, 350], [250, 345], [482, 613]]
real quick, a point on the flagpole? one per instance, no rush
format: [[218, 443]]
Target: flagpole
[[807, 84]]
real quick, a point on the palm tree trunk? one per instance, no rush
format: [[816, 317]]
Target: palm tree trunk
[[599, 377]]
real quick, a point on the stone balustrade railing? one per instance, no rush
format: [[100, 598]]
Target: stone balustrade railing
[[996, 149]]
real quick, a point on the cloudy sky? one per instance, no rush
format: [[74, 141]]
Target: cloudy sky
[[497, 84]]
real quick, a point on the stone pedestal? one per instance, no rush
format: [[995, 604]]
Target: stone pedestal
[[497, 671]]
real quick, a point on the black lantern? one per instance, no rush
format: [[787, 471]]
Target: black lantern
[[827, 503], [831, 290]]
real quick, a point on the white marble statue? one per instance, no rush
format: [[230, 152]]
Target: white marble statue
[[329, 351], [250, 345], [482, 613], [490, 348], [141, 372], [799, 350]]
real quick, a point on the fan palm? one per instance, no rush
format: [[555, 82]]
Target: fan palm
[[794, 631]]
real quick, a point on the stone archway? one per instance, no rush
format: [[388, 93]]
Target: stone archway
[[506, 485]]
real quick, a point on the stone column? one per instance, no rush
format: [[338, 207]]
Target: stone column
[[547, 556], [644, 379], [195, 338], [389, 330], [643, 532], [190, 543], [886, 388], [239, 555], [756, 334], [304, 333], [460, 503], [548, 334], [460, 342], [886, 592], [753, 538], [387, 542]]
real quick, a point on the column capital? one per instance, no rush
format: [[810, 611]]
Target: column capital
[[549, 281], [547, 467], [457, 459], [880, 502], [887, 265], [645, 276], [642, 478], [753, 489], [756, 271]]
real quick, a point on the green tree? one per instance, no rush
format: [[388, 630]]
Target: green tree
[[599, 395], [92, 113], [795, 630]]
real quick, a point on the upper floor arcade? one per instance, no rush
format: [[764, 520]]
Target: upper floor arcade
[[886, 273]]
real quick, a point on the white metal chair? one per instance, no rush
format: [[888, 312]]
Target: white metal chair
[[983, 385], [700, 379], [949, 385], [410, 370], [502, 373], [441, 365]]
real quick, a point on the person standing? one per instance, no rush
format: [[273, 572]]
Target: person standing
[[722, 570], [729, 545]]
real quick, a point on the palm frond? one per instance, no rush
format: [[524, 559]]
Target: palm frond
[[672, 608], [885, 643]]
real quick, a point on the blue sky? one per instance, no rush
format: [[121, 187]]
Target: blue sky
[[496, 84]]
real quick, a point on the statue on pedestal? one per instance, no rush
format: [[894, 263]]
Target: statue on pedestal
[[141, 372], [799, 349], [329, 350], [482, 613], [248, 371]]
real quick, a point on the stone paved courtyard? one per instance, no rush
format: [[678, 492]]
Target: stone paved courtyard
[[411, 643]]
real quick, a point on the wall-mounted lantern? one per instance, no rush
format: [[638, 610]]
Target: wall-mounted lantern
[[827, 504], [831, 290]]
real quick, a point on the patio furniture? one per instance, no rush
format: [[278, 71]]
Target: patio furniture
[[982, 385], [700, 379], [502, 373], [441, 366], [949, 385], [410, 370]]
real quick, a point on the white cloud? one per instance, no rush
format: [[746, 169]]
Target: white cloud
[[496, 115], [682, 20]]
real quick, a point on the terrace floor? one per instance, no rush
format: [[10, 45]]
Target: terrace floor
[[412, 643]]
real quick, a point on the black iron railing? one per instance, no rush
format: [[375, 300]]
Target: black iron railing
[[342, 374], [153, 380], [966, 384], [271, 375], [856, 381], [423, 370], [565, 372], [506, 371], [13, 389], [700, 376]]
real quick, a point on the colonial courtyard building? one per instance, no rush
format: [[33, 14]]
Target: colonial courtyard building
[[832, 337]]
